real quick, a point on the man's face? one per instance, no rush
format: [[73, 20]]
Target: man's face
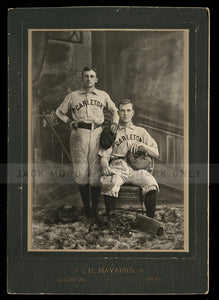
[[125, 112], [89, 79]]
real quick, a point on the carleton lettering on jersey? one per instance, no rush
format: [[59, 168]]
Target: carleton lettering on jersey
[[87, 107], [86, 102], [127, 138]]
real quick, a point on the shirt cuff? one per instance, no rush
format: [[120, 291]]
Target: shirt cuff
[[105, 153]]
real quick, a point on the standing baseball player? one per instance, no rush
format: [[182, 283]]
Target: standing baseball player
[[115, 169], [87, 116]]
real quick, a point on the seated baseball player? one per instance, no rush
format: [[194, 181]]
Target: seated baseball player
[[115, 168]]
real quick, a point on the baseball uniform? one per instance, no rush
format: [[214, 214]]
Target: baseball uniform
[[87, 109], [122, 172]]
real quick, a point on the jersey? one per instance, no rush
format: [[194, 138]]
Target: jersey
[[125, 137], [87, 107]]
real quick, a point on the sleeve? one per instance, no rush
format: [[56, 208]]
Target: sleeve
[[111, 107], [63, 108], [105, 153], [150, 142]]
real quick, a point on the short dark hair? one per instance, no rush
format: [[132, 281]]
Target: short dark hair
[[89, 69], [126, 101]]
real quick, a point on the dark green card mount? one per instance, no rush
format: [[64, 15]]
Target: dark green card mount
[[135, 272]]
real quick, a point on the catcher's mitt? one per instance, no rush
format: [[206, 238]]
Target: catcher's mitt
[[107, 138], [140, 160]]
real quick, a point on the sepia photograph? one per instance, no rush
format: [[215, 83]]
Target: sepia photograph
[[108, 140]]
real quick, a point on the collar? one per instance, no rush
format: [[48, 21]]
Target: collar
[[82, 91], [131, 126]]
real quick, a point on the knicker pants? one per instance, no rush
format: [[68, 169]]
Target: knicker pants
[[123, 173], [84, 147]]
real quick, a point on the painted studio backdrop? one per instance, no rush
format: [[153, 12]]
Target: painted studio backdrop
[[144, 66]]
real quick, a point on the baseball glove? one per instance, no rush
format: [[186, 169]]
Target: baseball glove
[[140, 160], [107, 138]]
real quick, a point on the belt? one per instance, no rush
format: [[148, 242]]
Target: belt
[[117, 157], [89, 126]]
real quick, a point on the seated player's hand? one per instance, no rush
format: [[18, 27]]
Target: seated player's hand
[[107, 171], [134, 148], [114, 127]]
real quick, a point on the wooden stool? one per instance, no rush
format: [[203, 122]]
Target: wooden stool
[[128, 193]]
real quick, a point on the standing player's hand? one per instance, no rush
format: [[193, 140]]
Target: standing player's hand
[[114, 127], [72, 124], [134, 148]]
